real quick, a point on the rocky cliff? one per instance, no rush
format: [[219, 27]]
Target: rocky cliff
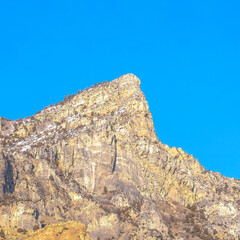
[[95, 158]]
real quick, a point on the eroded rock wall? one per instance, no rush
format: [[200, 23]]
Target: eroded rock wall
[[95, 158]]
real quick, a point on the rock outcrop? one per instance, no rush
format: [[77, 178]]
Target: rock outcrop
[[95, 158], [60, 231]]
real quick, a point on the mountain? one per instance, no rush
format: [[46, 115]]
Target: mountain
[[94, 161]]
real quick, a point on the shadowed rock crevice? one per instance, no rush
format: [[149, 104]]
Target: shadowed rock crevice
[[115, 154], [9, 184], [36, 213]]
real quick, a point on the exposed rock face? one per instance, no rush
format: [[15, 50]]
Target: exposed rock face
[[60, 231], [95, 158]]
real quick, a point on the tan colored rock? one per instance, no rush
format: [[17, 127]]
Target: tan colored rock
[[70, 230], [62, 231], [95, 158]]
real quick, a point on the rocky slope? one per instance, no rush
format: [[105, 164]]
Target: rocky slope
[[60, 231], [95, 158]]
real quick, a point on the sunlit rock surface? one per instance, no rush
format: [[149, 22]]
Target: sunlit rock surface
[[95, 158], [60, 231]]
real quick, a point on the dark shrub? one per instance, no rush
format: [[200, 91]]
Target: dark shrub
[[2, 234], [20, 230], [35, 228], [105, 190]]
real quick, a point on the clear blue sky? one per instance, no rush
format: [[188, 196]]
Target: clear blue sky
[[186, 53]]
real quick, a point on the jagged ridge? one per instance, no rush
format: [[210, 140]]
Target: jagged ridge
[[95, 158]]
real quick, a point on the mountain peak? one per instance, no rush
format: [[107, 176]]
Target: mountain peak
[[95, 158], [128, 79]]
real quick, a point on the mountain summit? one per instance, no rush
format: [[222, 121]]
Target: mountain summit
[[95, 158]]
